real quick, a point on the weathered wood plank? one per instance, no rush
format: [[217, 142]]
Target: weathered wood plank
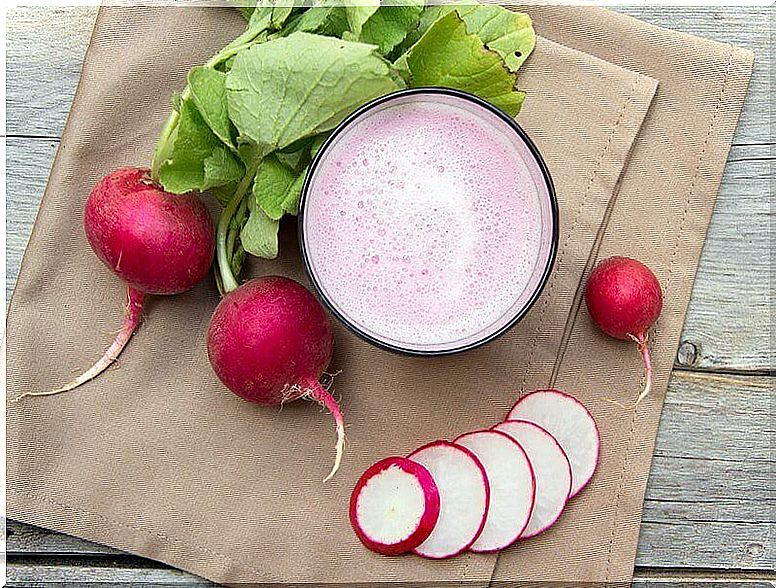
[[35, 574], [27, 163], [727, 325], [24, 539], [709, 499], [45, 47], [42, 574], [711, 493], [646, 578]]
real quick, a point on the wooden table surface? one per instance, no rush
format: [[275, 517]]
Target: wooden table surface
[[711, 499]]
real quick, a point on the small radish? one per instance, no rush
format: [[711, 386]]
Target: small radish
[[394, 506], [624, 298], [157, 242], [512, 488], [464, 496], [551, 468], [269, 342], [572, 425]]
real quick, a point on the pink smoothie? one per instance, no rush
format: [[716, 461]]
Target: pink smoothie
[[427, 223]]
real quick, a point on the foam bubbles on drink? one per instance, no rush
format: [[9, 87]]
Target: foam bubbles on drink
[[441, 229]]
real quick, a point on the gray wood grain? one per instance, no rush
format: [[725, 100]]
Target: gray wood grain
[[44, 53], [36, 574], [119, 574], [27, 163]]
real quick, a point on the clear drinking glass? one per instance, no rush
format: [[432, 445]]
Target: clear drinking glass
[[341, 306]]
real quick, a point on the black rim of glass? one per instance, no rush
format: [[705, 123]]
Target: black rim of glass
[[553, 209]]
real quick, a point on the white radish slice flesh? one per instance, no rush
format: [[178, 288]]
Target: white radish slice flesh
[[551, 468], [464, 495], [566, 419], [394, 506], [512, 487]]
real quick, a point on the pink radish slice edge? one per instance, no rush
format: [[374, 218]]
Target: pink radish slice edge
[[464, 497], [394, 506], [572, 425], [552, 471], [512, 487]]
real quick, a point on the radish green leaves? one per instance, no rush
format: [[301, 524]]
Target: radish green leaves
[[448, 55], [250, 120], [284, 90]]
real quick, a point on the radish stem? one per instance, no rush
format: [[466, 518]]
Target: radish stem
[[647, 359], [314, 391], [228, 280], [131, 322]]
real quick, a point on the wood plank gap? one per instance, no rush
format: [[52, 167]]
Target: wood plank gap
[[704, 574], [92, 560], [737, 376], [32, 137]]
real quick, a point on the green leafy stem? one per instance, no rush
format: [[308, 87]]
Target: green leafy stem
[[224, 236]]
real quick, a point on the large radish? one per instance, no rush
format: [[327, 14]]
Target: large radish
[[269, 342], [157, 242], [551, 468], [624, 298], [464, 496], [572, 425], [512, 488], [394, 506]]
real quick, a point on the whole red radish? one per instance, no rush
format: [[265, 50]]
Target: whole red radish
[[269, 342], [157, 242], [624, 298]]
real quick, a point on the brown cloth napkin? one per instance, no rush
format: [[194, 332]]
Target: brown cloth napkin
[[157, 458]]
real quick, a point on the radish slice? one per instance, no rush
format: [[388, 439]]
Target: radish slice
[[394, 506], [464, 495], [551, 468], [512, 487], [566, 419]]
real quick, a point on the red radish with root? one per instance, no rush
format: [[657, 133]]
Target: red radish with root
[[551, 469], [624, 298], [572, 425], [464, 498], [157, 242], [269, 342], [512, 488], [394, 506]]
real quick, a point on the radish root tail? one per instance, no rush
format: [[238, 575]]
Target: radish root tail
[[322, 396], [131, 321], [647, 359]]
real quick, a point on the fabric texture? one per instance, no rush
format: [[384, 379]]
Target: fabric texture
[[157, 458]]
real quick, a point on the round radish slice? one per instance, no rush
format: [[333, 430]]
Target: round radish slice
[[512, 487], [464, 495], [551, 468], [394, 506], [566, 419]]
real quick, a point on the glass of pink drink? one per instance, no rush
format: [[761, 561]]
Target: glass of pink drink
[[428, 222]]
